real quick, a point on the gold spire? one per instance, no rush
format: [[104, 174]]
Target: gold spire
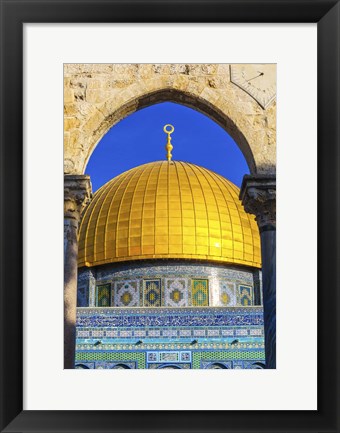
[[168, 146]]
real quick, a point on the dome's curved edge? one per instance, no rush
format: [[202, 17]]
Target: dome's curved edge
[[83, 260], [206, 259]]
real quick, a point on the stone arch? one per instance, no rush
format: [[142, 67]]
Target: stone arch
[[170, 367], [114, 114], [95, 112]]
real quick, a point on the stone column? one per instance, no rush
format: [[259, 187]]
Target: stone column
[[77, 193], [258, 195]]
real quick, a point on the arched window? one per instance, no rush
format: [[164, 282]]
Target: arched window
[[258, 365], [120, 367], [170, 367], [216, 366], [81, 366]]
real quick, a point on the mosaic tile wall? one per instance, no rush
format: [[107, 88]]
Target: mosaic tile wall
[[82, 296], [199, 338], [176, 284]]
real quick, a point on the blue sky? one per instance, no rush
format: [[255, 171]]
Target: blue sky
[[139, 139]]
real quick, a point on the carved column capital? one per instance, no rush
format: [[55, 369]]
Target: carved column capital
[[77, 194], [258, 196]]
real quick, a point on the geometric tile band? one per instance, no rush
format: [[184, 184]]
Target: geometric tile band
[[171, 317], [127, 293], [225, 355], [245, 296], [176, 292], [176, 285], [200, 293], [152, 293], [140, 357], [103, 295], [227, 294]]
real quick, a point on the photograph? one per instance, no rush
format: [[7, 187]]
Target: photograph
[[170, 216], [165, 129]]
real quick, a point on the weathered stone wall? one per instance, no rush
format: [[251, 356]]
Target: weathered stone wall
[[97, 96]]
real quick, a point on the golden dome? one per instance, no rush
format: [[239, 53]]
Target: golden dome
[[164, 210]]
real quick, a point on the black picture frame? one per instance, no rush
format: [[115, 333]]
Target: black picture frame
[[326, 13]]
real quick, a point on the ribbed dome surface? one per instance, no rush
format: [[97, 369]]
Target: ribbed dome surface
[[168, 210]]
